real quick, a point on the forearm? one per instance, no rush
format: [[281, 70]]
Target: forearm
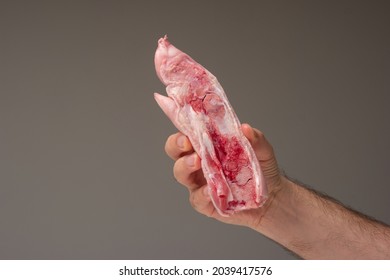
[[316, 227]]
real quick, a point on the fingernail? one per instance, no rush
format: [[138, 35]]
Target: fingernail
[[190, 160], [180, 141]]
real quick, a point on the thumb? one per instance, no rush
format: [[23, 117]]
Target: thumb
[[264, 153], [260, 145]]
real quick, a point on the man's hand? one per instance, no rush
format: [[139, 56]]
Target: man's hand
[[311, 225], [187, 171]]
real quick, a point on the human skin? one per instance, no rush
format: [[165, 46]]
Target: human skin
[[311, 225]]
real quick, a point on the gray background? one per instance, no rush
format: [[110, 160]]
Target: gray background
[[83, 174]]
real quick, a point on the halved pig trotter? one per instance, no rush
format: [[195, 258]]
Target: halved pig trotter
[[198, 107]]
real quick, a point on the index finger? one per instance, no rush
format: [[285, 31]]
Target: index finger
[[178, 145]]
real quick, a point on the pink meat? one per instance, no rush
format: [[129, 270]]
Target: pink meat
[[198, 107]]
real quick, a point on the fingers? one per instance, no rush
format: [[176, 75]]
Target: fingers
[[201, 202], [187, 168], [177, 145], [188, 173]]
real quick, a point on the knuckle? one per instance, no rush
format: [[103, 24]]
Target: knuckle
[[193, 200], [181, 172], [177, 169], [259, 135], [168, 144]]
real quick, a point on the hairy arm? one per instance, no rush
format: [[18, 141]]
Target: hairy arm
[[315, 226], [305, 222]]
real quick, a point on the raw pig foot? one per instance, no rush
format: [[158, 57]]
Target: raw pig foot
[[198, 107]]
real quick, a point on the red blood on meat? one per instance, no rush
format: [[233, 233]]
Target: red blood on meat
[[228, 151]]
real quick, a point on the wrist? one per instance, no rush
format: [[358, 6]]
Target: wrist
[[277, 194]]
